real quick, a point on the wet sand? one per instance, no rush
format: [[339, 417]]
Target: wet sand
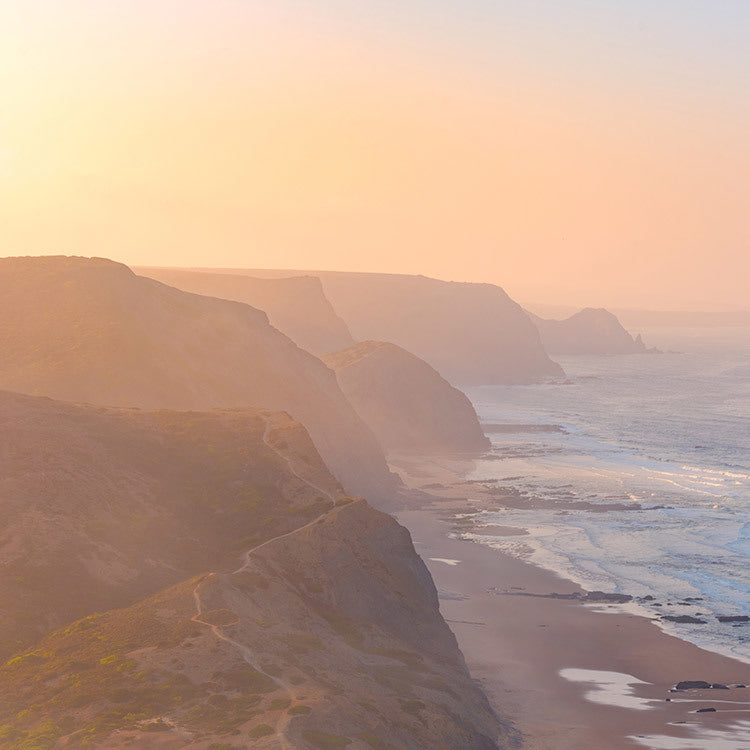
[[517, 645]]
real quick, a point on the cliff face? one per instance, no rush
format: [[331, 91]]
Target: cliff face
[[90, 330], [408, 405], [326, 634], [472, 334], [590, 331], [296, 306]]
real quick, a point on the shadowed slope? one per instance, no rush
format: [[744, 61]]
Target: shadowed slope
[[408, 405], [90, 330]]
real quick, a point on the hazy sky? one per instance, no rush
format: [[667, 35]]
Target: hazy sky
[[580, 151]]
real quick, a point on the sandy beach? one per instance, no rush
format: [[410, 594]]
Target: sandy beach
[[570, 676]]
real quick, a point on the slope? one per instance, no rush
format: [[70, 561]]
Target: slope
[[90, 330], [408, 405]]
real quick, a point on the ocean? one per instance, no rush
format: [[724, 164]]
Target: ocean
[[634, 478]]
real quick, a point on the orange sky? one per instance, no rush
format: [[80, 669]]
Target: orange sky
[[570, 158]]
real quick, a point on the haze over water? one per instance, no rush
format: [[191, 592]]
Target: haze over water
[[668, 432]]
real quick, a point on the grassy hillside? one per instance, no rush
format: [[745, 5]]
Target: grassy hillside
[[328, 638], [102, 506]]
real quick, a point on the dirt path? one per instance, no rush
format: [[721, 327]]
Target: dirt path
[[247, 654]]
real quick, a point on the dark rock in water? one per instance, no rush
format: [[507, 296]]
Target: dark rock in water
[[601, 596], [719, 686], [684, 619], [739, 686], [706, 711], [647, 598], [693, 685], [587, 597], [668, 700], [513, 428], [733, 618]]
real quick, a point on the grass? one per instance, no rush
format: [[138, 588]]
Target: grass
[[325, 741], [262, 730]]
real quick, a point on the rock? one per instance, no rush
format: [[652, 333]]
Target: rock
[[733, 618], [684, 619], [719, 686], [601, 596], [706, 711], [693, 685]]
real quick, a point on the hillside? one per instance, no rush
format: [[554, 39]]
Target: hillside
[[90, 330], [296, 306], [472, 334], [408, 405], [326, 635], [589, 331], [123, 502]]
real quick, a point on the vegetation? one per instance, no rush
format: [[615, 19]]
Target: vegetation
[[81, 680], [325, 741]]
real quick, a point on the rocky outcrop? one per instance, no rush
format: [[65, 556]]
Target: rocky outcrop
[[296, 306], [472, 334], [90, 330], [326, 634], [408, 405], [590, 331]]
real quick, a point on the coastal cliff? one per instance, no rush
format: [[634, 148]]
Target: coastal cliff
[[472, 334], [408, 405], [296, 306], [90, 330], [128, 625], [589, 331]]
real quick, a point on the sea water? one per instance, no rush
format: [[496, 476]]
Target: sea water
[[634, 477]]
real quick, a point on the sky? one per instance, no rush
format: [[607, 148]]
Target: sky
[[583, 152]]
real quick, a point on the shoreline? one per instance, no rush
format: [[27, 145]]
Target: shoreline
[[527, 650]]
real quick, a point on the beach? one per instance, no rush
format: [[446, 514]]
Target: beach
[[568, 675]]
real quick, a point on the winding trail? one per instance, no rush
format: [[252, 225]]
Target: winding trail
[[247, 654]]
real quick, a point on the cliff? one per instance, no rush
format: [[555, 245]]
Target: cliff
[[408, 405], [472, 334], [101, 506], [90, 330], [296, 306], [327, 634], [590, 331]]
